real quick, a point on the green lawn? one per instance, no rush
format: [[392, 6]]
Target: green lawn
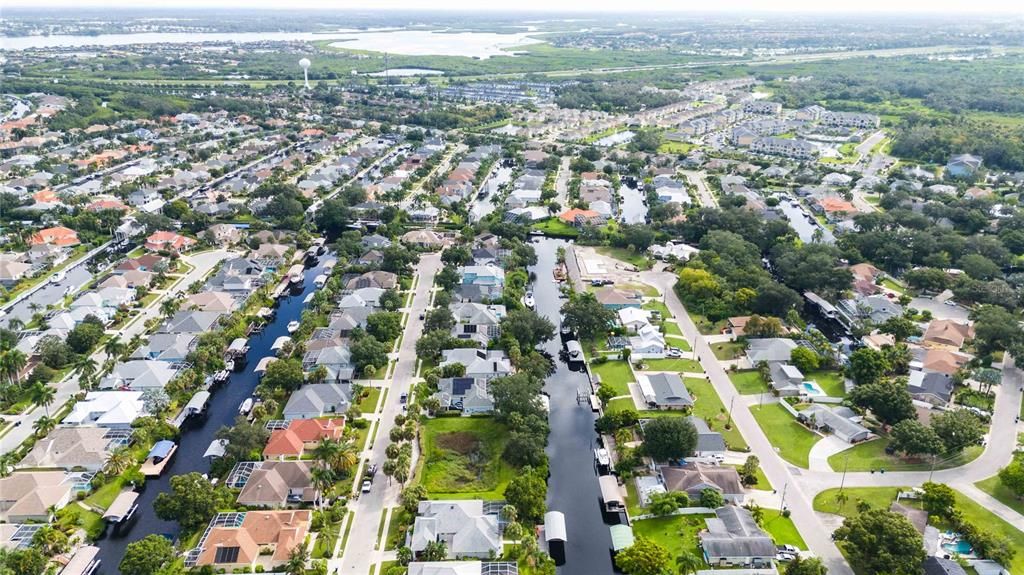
[[556, 228], [677, 365], [675, 148], [105, 495], [782, 529], [871, 455], [706, 326], [747, 382], [369, 402], [877, 497], [709, 407], [615, 374], [462, 458], [728, 349], [890, 284], [659, 307], [672, 328], [396, 529], [676, 533], [626, 255], [1003, 494], [325, 541], [762, 480], [792, 440], [620, 404], [831, 382]]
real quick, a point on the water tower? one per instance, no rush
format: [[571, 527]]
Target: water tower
[[304, 64]]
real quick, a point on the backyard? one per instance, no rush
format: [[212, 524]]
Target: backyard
[[615, 374], [727, 350], [831, 382], [871, 455], [792, 440], [676, 365], [677, 533], [462, 458], [748, 382]]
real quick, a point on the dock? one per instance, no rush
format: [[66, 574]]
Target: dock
[[195, 406], [158, 458], [123, 508]]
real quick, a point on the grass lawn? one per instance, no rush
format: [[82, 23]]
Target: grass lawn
[[871, 455], [396, 529], [706, 326], [1003, 494], [659, 307], [620, 404], [890, 284], [877, 497], [369, 403], [672, 328], [675, 148], [988, 521], [625, 255], [748, 381], [728, 349], [782, 529], [633, 499], [831, 382], [615, 374], [556, 228], [105, 495], [676, 533], [462, 458], [762, 480], [792, 440], [325, 541], [677, 365], [709, 407]]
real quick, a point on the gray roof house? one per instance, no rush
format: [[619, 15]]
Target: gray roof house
[[769, 349], [466, 394], [733, 538], [170, 347], [786, 378], [138, 375], [316, 400], [933, 387], [337, 359], [840, 421], [875, 309], [477, 321], [480, 363], [940, 566], [665, 391], [466, 528], [708, 442], [694, 478], [191, 321], [69, 448]]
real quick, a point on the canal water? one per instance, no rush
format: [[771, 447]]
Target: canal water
[[573, 486], [196, 436]]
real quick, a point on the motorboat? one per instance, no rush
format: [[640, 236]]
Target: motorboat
[[293, 326]]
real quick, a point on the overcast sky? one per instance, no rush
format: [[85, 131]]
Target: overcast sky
[[860, 6]]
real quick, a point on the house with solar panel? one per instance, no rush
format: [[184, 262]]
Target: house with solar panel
[[468, 395]]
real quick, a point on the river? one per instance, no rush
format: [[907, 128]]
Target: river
[[195, 438], [805, 227], [572, 488]]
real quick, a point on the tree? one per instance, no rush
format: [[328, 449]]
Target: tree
[[44, 425], [391, 300], [889, 401], [28, 561], [245, 440], [191, 502], [527, 492], [912, 437], [284, 374], [296, 564], [996, 329], [50, 540], [668, 438], [384, 325], [749, 470], [867, 365], [118, 462], [938, 499], [711, 498], [667, 502], [527, 327], [85, 336], [1012, 476], [146, 556], [957, 429], [688, 563], [435, 551], [809, 566], [763, 326], [806, 360], [880, 541], [586, 316], [900, 327], [643, 557], [430, 345], [369, 351], [404, 555], [440, 318], [42, 394]]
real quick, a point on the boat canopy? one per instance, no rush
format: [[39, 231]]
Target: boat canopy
[[262, 365], [622, 536], [161, 449], [121, 506], [238, 344], [610, 492], [554, 526], [84, 561], [198, 401], [216, 448]]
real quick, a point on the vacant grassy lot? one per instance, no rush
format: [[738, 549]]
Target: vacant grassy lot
[[626, 255], [792, 440], [463, 458], [782, 529], [677, 533], [876, 497], [555, 227], [676, 365], [871, 455], [728, 349], [658, 307], [615, 374], [709, 407], [747, 382], [672, 328]]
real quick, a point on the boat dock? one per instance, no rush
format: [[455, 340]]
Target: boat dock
[[195, 406], [158, 458]]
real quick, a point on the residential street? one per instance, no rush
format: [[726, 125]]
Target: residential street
[[707, 199], [202, 263], [361, 552]]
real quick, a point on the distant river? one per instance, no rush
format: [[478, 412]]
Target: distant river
[[406, 42]]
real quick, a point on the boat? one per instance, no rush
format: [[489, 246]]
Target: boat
[[295, 274], [293, 326], [320, 280], [246, 406], [58, 277], [122, 510]]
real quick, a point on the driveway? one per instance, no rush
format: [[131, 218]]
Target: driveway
[[940, 310], [823, 449]]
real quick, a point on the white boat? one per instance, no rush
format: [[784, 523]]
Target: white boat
[[246, 406], [320, 280], [58, 277], [293, 326]]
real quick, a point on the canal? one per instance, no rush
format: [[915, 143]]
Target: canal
[[196, 436], [804, 225], [573, 487]]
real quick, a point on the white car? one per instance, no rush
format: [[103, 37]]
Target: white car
[[528, 300], [674, 352], [367, 485], [58, 277]]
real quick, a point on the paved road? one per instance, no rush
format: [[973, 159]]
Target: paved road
[[359, 553], [779, 473], [707, 199], [562, 183], [202, 263]]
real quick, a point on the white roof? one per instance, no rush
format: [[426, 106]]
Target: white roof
[[107, 408], [554, 526]]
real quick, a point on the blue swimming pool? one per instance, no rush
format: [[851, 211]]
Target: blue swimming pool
[[811, 388], [959, 547]]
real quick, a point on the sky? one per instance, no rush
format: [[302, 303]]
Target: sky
[[860, 6]]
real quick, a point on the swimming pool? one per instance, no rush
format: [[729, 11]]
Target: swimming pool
[[960, 547], [811, 388]]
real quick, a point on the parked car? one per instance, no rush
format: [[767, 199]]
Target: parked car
[[674, 352], [403, 398], [367, 485], [371, 470]]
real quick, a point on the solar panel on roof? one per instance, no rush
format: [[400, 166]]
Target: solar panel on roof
[[461, 385], [226, 555]]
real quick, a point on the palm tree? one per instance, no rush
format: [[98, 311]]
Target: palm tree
[[113, 347], [169, 306], [296, 564], [15, 324], [12, 362], [86, 368], [44, 425], [688, 563], [7, 462], [119, 462], [322, 479], [42, 394], [326, 450]]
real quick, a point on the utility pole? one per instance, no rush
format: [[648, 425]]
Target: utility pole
[[846, 463], [728, 424], [782, 502]]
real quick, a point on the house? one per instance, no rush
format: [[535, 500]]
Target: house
[[191, 321], [106, 409], [931, 387], [963, 166], [480, 363], [665, 391], [841, 422], [940, 360], [300, 435], [733, 538], [462, 568], [786, 378], [694, 478], [834, 208], [279, 484], [143, 263], [372, 257], [579, 218], [33, 495], [211, 301], [463, 526], [941, 566], [477, 321], [648, 342], [168, 241], [375, 241], [466, 394], [69, 448], [771, 145], [487, 280], [170, 347], [426, 239], [374, 279], [138, 375], [336, 359], [317, 400], [876, 309], [849, 120], [241, 541], [59, 236], [947, 334], [769, 349], [12, 269], [708, 442], [634, 318], [223, 234], [616, 299]]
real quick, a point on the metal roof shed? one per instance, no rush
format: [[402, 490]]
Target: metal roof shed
[[198, 402], [554, 526], [161, 449], [622, 537]]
